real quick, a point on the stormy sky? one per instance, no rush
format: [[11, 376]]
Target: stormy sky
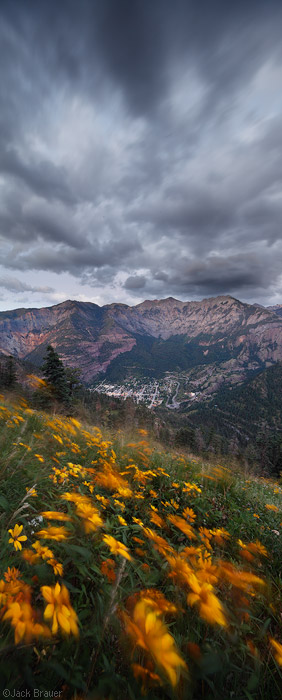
[[140, 150]]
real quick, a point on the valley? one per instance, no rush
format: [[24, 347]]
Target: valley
[[177, 390], [152, 393]]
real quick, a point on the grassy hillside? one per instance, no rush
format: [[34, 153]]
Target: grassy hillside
[[128, 572], [259, 399], [243, 421]]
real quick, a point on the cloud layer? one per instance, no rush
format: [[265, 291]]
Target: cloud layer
[[140, 150]]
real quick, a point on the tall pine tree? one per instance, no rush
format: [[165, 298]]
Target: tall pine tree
[[55, 374], [8, 372]]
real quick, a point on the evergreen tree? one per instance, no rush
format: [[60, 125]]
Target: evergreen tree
[[55, 374], [8, 373], [72, 375]]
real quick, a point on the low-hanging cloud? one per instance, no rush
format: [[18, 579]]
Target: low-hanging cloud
[[16, 286]]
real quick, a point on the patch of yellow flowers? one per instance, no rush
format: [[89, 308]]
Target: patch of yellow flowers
[[193, 568]]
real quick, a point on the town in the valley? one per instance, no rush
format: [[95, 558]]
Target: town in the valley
[[170, 391], [175, 390]]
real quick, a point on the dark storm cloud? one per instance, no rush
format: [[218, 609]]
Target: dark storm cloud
[[135, 44], [217, 275], [88, 258], [143, 139], [220, 273]]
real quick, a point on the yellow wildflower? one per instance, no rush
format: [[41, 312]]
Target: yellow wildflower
[[54, 533], [12, 574], [189, 514], [244, 580], [117, 547], [90, 517], [278, 650], [114, 482], [22, 619], [258, 548], [3, 593], [157, 520], [210, 607], [29, 556], [181, 570], [182, 525], [157, 600], [31, 492], [58, 438], [149, 633], [57, 567], [55, 515], [15, 538], [43, 552], [191, 487], [74, 497], [59, 609], [119, 504], [220, 535], [159, 542], [206, 571]]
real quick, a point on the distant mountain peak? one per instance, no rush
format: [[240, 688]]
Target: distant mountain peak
[[215, 330]]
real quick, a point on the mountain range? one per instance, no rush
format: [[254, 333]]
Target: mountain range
[[220, 340]]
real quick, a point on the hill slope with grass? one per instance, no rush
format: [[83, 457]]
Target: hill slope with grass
[[128, 572]]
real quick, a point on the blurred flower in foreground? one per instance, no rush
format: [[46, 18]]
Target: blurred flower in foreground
[[21, 616], [149, 632], [59, 609], [54, 533], [210, 607], [278, 651], [117, 547]]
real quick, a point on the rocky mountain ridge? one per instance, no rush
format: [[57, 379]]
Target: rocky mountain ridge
[[235, 336]]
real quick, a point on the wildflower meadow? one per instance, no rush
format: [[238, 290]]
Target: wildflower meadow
[[130, 573]]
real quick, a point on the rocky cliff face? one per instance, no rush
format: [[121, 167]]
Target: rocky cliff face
[[169, 317], [219, 330], [277, 309]]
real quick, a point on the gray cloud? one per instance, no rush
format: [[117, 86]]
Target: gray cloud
[[135, 282], [140, 145], [41, 176], [12, 284]]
